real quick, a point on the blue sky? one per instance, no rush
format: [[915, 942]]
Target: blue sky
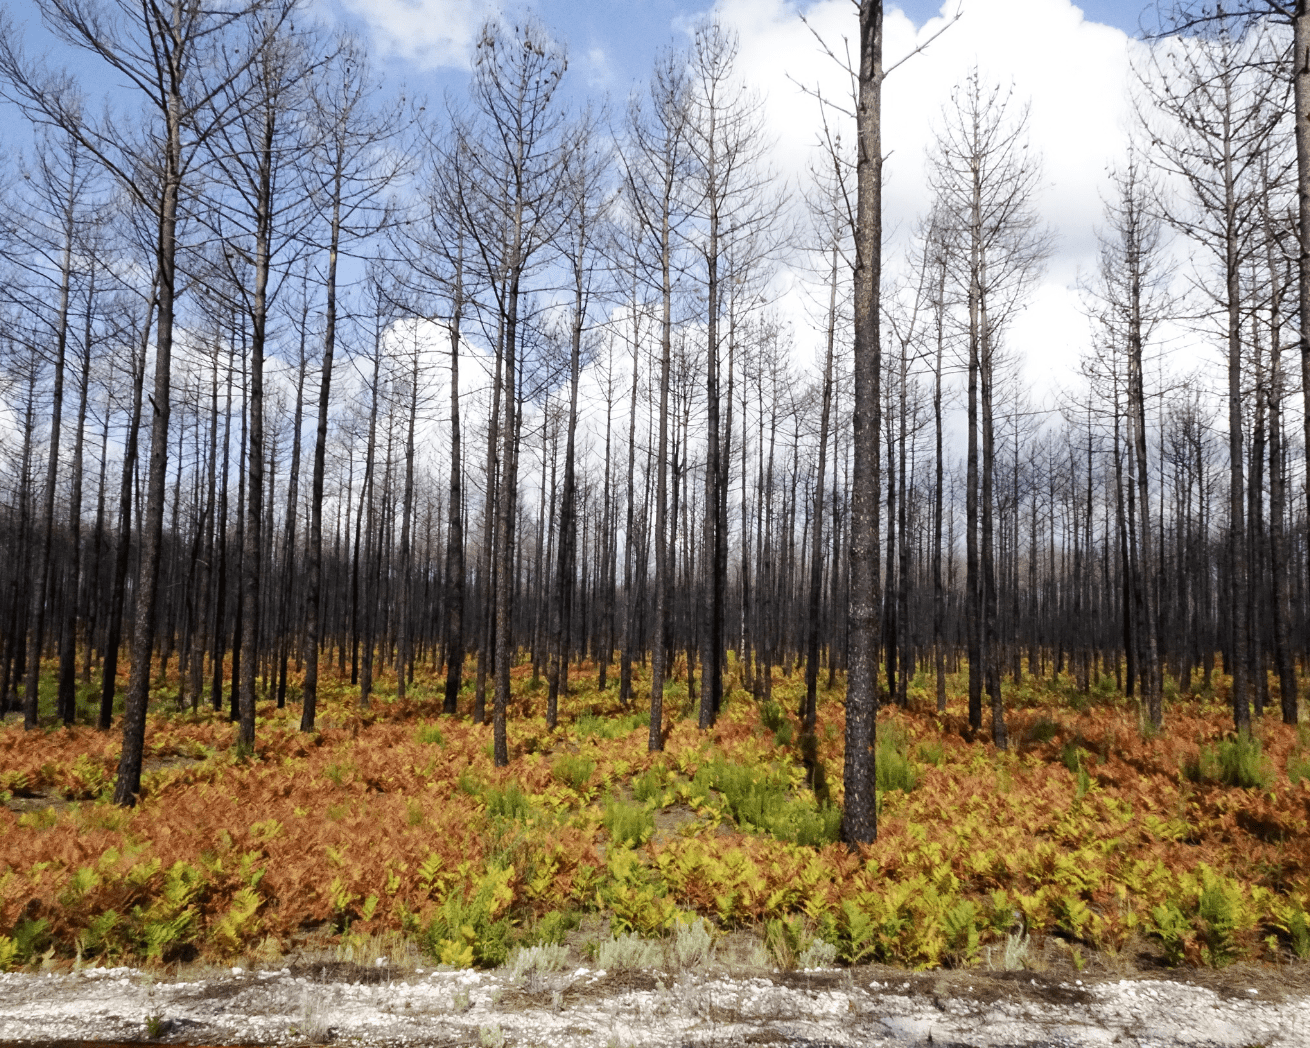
[[1076, 73], [611, 43]]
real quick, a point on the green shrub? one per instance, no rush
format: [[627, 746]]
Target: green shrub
[[573, 771], [508, 802], [1231, 762], [469, 783], [1210, 918], [551, 928], [693, 944], [28, 939], [1071, 756], [1084, 783], [1298, 768], [932, 752], [530, 960], [895, 771], [649, 785], [1044, 730], [1174, 931], [629, 824], [471, 927], [1298, 933], [430, 734], [628, 951], [758, 800], [590, 724], [772, 715], [791, 944], [1219, 922]]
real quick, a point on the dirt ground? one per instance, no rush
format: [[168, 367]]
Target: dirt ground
[[331, 1002]]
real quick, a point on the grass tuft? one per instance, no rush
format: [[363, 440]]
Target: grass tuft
[[1237, 761]]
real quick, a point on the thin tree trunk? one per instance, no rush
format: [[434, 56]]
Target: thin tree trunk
[[123, 548], [455, 521]]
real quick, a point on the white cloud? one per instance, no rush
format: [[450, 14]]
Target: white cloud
[[1075, 74], [428, 33], [597, 68]]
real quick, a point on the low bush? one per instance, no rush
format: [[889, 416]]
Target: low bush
[[1042, 731], [772, 715], [473, 927], [1236, 761], [758, 799], [628, 824], [592, 725], [507, 802], [535, 960], [573, 771], [430, 734], [627, 952], [818, 954], [693, 943], [896, 771], [931, 752], [649, 785], [551, 928]]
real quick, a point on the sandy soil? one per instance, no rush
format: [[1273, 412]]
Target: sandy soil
[[346, 1004]]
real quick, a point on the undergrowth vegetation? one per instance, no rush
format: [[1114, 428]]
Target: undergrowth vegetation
[[393, 821]]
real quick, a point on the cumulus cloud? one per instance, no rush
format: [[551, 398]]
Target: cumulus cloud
[[598, 68], [1073, 74], [428, 33]]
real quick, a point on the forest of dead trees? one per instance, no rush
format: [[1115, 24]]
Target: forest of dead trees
[[298, 381]]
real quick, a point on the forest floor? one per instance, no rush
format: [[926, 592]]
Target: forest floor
[[1091, 850]]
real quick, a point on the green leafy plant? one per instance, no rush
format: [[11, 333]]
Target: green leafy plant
[[1236, 761], [758, 798], [430, 734], [785, 940], [775, 718], [573, 771], [473, 927], [628, 824], [551, 928], [1298, 933], [1219, 918], [508, 802], [772, 715], [649, 785], [895, 771], [1071, 756], [30, 936], [1084, 783], [590, 725], [931, 752]]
